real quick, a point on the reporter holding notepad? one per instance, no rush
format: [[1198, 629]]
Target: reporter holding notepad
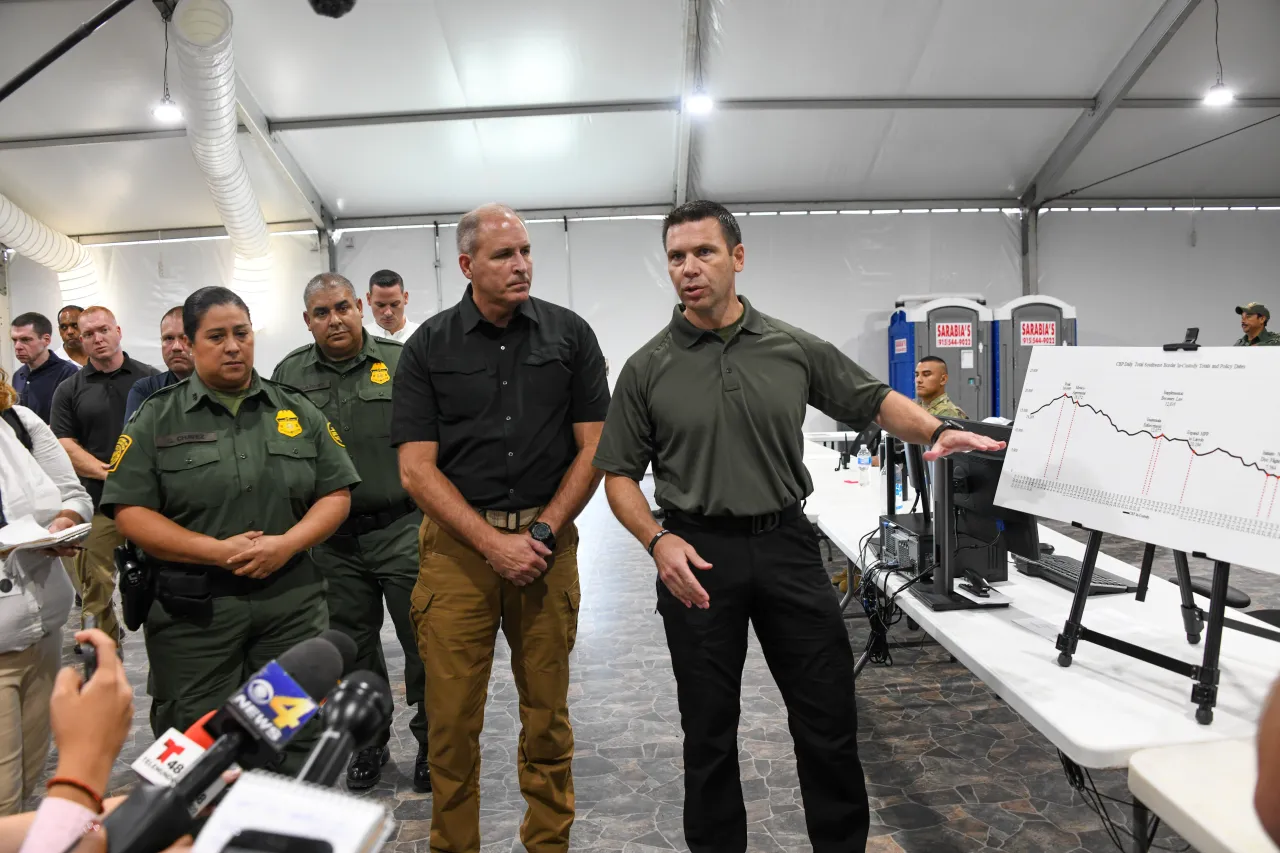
[[35, 593]]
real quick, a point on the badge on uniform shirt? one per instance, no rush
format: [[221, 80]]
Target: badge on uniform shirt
[[333, 433], [378, 374], [122, 445], [287, 423]]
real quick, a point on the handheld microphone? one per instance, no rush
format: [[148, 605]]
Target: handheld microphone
[[171, 756], [345, 646], [354, 713], [251, 729]]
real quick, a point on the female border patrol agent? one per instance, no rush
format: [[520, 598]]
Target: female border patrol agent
[[224, 481]]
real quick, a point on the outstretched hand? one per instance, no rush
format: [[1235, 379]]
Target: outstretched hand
[[958, 441], [676, 560]]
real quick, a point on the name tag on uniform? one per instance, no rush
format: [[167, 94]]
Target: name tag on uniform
[[185, 438]]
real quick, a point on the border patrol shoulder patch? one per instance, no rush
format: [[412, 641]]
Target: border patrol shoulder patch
[[123, 443], [333, 433]]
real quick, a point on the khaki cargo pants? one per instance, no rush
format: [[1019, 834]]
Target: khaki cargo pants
[[95, 574], [457, 607]]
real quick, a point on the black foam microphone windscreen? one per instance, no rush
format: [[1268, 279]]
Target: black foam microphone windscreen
[[332, 8], [345, 646]]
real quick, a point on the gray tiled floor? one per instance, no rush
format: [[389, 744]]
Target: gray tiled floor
[[949, 766]]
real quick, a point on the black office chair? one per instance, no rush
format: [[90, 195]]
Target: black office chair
[[1236, 599], [1271, 617]]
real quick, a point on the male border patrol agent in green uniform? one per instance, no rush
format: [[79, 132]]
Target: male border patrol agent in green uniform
[[931, 389], [224, 481], [348, 374], [1253, 321]]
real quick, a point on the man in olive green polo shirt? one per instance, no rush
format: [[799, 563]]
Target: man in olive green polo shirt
[[716, 402], [1253, 322], [348, 374]]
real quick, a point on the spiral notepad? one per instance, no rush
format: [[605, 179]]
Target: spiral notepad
[[265, 802]]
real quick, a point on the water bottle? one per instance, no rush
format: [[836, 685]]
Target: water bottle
[[864, 467]]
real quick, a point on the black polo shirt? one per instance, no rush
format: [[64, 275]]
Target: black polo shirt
[[89, 407], [35, 387], [501, 402]]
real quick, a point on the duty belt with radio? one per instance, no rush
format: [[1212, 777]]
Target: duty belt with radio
[[187, 590]]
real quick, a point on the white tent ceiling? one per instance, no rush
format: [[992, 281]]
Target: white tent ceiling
[[605, 79]]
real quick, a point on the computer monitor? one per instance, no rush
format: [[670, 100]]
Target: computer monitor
[[971, 532], [975, 477]]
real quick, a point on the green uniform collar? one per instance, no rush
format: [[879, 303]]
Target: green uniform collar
[[1265, 338], [687, 334], [471, 316], [196, 391], [313, 357]]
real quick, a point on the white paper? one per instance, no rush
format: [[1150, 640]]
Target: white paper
[[264, 801], [1178, 449], [1039, 627], [26, 533], [966, 359]]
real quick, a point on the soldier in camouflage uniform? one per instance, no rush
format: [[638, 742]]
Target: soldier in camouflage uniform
[[931, 389], [1253, 321]]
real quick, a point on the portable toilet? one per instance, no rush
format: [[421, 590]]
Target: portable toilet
[[957, 331], [1023, 323]]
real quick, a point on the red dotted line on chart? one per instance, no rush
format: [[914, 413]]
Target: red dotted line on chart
[[1266, 481], [1066, 443], [1151, 465], [1186, 478], [1049, 458]]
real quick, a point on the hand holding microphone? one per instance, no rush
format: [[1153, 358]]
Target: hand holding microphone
[[251, 729], [90, 721]]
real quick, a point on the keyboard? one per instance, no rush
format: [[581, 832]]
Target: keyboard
[[1065, 572]]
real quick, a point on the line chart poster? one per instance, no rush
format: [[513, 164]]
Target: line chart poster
[[1181, 449]]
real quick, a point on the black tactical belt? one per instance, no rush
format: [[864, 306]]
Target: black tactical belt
[[359, 525], [751, 525]]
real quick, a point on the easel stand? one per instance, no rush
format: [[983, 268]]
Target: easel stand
[[1204, 693]]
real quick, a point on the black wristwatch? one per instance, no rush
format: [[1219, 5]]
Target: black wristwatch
[[540, 531], [943, 427]]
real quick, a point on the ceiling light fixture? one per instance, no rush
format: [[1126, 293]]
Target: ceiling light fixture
[[167, 111], [699, 104], [1218, 95]]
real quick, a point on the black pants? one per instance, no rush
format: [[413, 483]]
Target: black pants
[[776, 581]]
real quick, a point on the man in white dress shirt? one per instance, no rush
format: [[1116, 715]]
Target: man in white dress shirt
[[387, 299]]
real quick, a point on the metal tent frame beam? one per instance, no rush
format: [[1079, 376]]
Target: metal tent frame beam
[[259, 127], [277, 126], [684, 130], [1162, 27]]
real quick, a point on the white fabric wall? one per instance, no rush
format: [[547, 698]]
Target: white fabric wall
[[836, 276], [1138, 280], [141, 282]]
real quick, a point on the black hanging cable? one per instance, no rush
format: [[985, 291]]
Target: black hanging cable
[[1216, 49], [166, 60], [1077, 190]]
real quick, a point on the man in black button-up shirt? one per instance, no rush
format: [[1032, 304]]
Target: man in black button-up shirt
[[87, 418], [498, 408]]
